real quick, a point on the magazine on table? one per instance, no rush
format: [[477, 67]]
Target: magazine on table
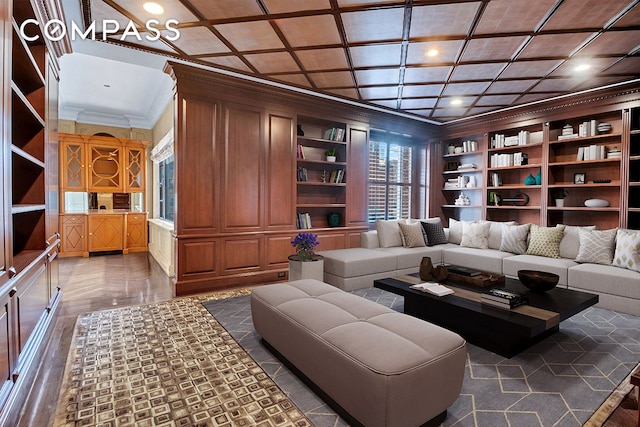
[[432, 288]]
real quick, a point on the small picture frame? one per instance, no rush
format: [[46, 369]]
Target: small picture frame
[[579, 178]]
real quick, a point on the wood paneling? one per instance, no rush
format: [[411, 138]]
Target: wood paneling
[[106, 233], [280, 197], [136, 231], [357, 173], [278, 249], [331, 241], [32, 300], [74, 232], [196, 258], [198, 168], [242, 255], [243, 168]]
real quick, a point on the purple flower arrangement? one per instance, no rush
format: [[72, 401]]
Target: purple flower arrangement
[[305, 243]]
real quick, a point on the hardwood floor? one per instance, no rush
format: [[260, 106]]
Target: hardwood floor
[[89, 284], [111, 281]]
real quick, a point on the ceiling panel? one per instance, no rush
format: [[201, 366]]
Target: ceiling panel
[[376, 55], [372, 25], [250, 36], [305, 31], [512, 16], [452, 19], [491, 53]]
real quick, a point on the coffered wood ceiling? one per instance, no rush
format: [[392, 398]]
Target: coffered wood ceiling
[[493, 54]]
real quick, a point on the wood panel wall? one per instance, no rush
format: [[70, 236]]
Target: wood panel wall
[[235, 147]]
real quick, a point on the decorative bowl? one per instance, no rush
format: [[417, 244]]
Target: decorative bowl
[[604, 127], [596, 203], [538, 281]]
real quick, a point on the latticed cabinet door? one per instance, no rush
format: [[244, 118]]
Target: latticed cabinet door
[[134, 169], [73, 167], [105, 168]]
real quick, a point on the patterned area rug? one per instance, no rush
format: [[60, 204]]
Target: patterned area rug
[[561, 381], [166, 364]]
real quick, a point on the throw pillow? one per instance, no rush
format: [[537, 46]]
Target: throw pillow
[[570, 244], [388, 233], [495, 232], [514, 238], [545, 241], [435, 233], [596, 246], [627, 253], [455, 230], [475, 235], [411, 234]]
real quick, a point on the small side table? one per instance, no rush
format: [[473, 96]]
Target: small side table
[[635, 380], [313, 269]]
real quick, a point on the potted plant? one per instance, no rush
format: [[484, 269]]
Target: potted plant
[[559, 196], [305, 243], [331, 154]]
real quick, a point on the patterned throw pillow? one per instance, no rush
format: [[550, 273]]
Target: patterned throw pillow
[[435, 233], [627, 249], [411, 234], [545, 241], [514, 238], [475, 235], [596, 246]]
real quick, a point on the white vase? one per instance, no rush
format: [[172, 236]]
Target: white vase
[[560, 203], [331, 158]]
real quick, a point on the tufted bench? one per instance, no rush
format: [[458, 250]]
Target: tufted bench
[[381, 367]]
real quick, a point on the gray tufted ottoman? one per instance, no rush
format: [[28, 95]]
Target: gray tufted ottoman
[[381, 367]]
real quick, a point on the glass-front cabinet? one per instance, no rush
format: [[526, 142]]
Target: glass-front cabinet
[[105, 168]]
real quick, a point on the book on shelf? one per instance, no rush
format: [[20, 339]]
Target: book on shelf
[[303, 221], [463, 271], [432, 288], [302, 174], [301, 154], [336, 176], [334, 134]]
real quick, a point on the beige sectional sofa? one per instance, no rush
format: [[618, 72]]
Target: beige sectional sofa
[[618, 288]]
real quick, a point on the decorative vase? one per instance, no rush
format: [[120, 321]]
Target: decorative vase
[[539, 177], [331, 158], [530, 180], [300, 132], [426, 269], [333, 219]]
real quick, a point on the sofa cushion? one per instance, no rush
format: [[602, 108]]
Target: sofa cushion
[[412, 236], [411, 257], [596, 246], [605, 279], [627, 253], [369, 239], [570, 243], [455, 230], [475, 235], [357, 262], [434, 232], [514, 238], [545, 241], [559, 266], [389, 233], [495, 232], [479, 259]]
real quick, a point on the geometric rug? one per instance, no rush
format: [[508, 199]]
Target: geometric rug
[[560, 381], [166, 364]]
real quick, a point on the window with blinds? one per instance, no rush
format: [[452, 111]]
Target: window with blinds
[[390, 175]]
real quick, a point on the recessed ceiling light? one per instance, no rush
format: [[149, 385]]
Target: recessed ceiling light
[[456, 102], [582, 67], [153, 8], [106, 85], [433, 52]]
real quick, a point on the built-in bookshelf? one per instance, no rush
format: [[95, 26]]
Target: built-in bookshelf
[[633, 168], [321, 164], [463, 177]]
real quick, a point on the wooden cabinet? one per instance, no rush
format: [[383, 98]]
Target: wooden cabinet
[[136, 232], [631, 166], [73, 167], [106, 167], [134, 167], [74, 235], [106, 232]]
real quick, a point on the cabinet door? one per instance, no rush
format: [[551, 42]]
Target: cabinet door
[[73, 238], [73, 165], [105, 168], [134, 169], [136, 231], [6, 362], [105, 233]]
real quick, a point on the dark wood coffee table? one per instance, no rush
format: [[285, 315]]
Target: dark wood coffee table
[[505, 332]]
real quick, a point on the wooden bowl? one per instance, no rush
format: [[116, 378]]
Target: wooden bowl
[[538, 281]]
